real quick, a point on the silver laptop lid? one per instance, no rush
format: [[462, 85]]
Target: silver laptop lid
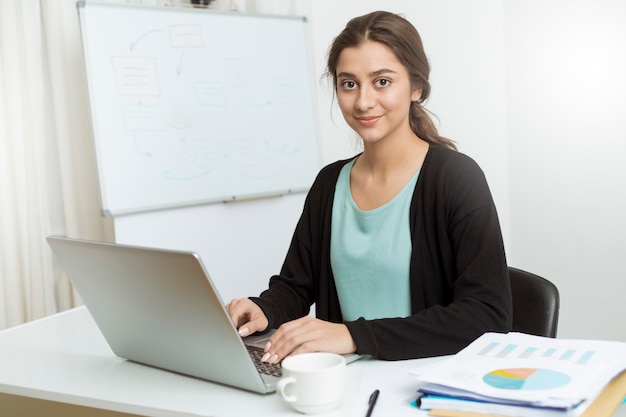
[[160, 308]]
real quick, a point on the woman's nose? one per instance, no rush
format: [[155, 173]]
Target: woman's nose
[[366, 99]]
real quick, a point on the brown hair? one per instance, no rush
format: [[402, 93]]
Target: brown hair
[[401, 37]]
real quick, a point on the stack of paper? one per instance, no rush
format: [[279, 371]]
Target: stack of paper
[[517, 374]]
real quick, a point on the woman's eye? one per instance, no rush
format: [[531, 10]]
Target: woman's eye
[[382, 83], [348, 85]]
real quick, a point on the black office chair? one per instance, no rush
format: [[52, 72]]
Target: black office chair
[[535, 303]]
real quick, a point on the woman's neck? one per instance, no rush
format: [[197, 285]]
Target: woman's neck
[[380, 172], [385, 158]]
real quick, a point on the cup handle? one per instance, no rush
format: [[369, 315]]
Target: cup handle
[[280, 389]]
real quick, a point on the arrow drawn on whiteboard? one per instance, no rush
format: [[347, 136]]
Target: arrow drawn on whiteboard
[[141, 152], [134, 43]]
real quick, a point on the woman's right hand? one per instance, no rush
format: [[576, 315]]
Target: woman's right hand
[[247, 316]]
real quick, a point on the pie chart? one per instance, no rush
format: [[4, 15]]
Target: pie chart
[[526, 379]]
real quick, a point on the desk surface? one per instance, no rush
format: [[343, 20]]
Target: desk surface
[[64, 358]]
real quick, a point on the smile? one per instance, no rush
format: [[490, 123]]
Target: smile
[[368, 121]]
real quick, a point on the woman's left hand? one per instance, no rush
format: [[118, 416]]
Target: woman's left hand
[[308, 334]]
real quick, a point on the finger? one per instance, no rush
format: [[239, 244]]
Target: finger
[[299, 335], [248, 316], [235, 311], [252, 326], [309, 335]]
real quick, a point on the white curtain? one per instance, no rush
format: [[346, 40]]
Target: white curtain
[[48, 182]]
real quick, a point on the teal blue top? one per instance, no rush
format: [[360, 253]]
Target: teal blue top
[[370, 252]]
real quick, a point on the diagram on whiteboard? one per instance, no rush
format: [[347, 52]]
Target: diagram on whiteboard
[[198, 106]]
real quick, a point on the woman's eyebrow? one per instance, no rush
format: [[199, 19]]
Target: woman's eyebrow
[[344, 74], [381, 72], [376, 73]]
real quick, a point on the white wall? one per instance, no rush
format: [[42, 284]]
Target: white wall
[[566, 67], [504, 89]]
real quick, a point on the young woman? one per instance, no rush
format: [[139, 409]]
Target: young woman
[[400, 247]]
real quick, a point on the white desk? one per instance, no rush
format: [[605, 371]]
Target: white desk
[[64, 358], [61, 364]]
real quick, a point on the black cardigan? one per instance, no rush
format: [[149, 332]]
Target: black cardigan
[[458, 272]]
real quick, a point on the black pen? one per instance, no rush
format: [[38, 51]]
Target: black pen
[[371, 403]]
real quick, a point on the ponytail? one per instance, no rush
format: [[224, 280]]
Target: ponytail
[[422, 125]]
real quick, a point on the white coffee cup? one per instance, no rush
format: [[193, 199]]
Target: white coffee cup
[[313, 382]]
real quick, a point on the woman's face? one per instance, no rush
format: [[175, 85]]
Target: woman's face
[[374, 92]]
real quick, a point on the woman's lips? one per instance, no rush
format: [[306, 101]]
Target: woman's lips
[[368, 121]]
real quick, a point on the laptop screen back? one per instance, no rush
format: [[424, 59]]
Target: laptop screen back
[[160, 308]]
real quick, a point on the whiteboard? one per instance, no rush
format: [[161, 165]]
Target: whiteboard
[[193, 106]]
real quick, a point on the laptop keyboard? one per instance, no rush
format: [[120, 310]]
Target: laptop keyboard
[[263, 367]]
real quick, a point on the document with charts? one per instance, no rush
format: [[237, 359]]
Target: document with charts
[[521, 369]]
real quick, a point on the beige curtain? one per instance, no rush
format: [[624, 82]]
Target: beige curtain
[[48, 182]]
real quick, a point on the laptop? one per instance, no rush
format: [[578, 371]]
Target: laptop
[[160, 308]]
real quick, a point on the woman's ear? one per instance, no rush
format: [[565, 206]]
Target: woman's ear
[[416, 94]]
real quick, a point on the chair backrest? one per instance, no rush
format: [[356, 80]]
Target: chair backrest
[[535, 303]]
